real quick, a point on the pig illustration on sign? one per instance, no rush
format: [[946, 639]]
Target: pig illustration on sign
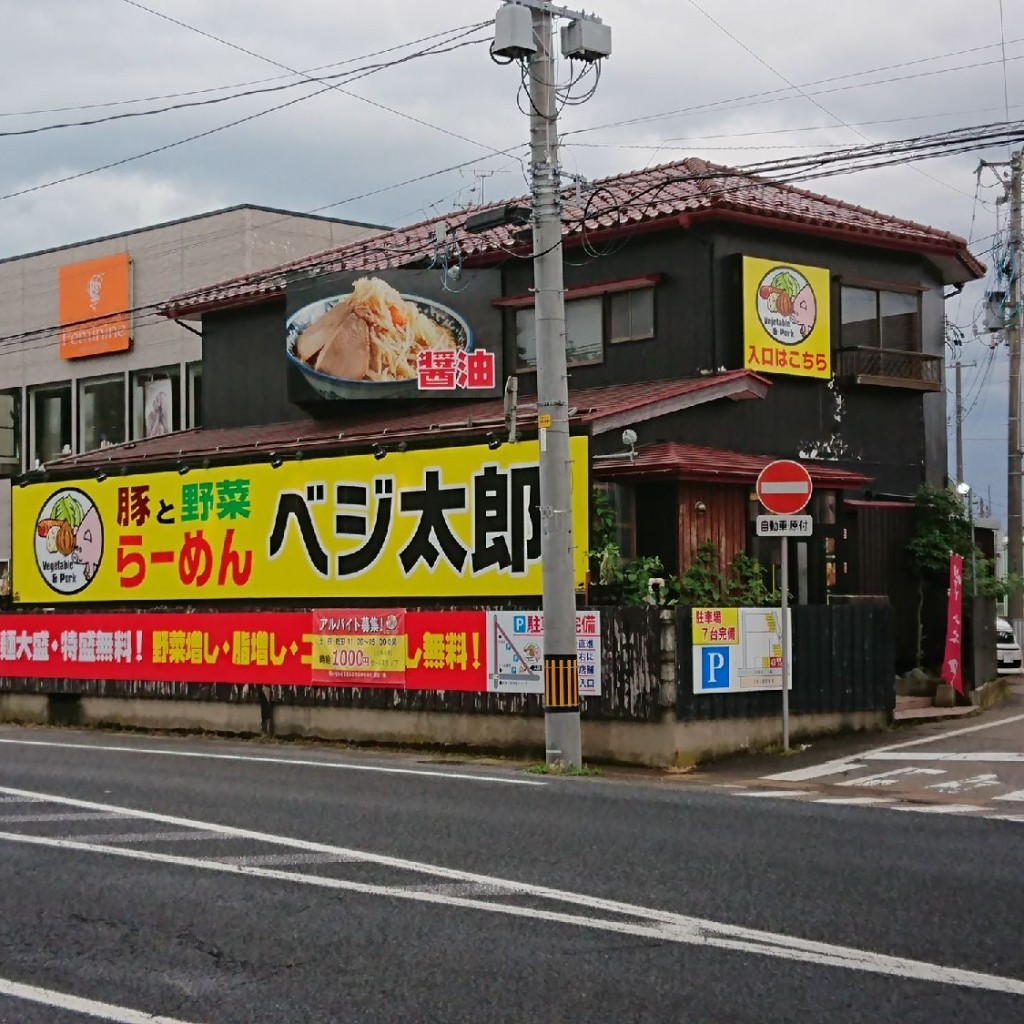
[[89, 543], [805, 310]]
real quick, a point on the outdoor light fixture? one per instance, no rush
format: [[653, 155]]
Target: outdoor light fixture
[[493, 442], [629, 440], [401, 446], [101, 476], [277, 463], [183, 469], [379, 451], [700, 508]]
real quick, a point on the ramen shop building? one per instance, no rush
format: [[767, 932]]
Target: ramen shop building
[[86, 361], [356, 398]]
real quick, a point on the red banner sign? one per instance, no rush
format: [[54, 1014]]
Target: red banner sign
[[418, 650], [269, 648], [952, 661]]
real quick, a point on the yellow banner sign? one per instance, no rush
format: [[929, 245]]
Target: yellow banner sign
[[715, 626], [786, 318], [453, 522]]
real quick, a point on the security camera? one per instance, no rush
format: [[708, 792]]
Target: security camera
[[629, 437]]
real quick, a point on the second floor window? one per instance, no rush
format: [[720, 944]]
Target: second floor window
[[874, 318], [617, 316], [584, 330]]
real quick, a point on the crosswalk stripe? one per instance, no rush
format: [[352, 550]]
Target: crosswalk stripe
[[855, 801], [773, 792], [937, 808]]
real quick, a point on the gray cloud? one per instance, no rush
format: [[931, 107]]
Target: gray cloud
[[667, 56]]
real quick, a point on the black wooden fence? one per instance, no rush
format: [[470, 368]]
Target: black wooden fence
[[843, 661]]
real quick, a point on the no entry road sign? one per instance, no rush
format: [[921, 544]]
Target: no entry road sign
[[784, 487]]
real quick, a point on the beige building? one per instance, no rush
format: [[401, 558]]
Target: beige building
[[85, 359]]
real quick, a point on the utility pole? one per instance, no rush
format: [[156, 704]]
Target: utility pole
[[562, 735], [958, 392], [1014, 522], [524, 29], [1014, 525]]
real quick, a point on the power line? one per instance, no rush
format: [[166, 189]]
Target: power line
[[199, 135], [211, 101], [774, 95], [294, 71], [806, 95], [1002, 43], [234, 85], [824, 164]]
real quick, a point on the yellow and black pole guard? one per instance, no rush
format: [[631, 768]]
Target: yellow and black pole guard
[[561, 682]]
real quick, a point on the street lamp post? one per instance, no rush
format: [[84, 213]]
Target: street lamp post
[[964, 490]]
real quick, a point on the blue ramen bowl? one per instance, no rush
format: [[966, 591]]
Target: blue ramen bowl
[[330, 387]]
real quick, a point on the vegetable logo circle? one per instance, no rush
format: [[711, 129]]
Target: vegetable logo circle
[[786, 305], [68, 541]]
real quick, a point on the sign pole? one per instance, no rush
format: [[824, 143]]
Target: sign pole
[[785, 643]]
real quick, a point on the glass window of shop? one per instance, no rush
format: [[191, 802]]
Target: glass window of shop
[[50, 410], [156, 401], [10, 426], [100, 412], [195, 394]]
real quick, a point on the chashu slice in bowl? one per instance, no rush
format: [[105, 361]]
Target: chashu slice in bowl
[[346, 353]]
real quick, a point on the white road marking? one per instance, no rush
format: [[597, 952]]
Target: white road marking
[[966, 785], [148, 837], [937, 808], [17, 800], [995, 757], [892, 777], [856, 801], [842, 764], [75, 1004], [67, 816], [280, 859], [285, 761], [1006, 817], [1017, 795], [639, 921], [772, 792], [817, 771]]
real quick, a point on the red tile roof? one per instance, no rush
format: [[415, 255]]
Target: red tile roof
[[675, 193], [670, 460], [594, 411]]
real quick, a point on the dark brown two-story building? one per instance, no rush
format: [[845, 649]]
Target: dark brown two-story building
[[724, 320]]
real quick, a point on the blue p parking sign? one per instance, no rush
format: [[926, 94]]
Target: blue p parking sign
[[714, 668]]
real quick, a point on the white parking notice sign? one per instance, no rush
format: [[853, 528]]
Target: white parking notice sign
[[515, 652], [738, 650]]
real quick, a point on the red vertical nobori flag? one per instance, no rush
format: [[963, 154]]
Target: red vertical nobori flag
[[952, 662]]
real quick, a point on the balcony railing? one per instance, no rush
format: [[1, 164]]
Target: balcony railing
[[891, 368]]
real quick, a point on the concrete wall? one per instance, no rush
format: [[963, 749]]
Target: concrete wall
[[666, 743], [166, 260]]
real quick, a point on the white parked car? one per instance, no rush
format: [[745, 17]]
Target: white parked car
[[1007, 649]]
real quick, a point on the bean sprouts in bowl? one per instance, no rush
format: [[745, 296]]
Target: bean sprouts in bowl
[[366, 343]]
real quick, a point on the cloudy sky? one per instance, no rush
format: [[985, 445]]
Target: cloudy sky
[[731, 80]]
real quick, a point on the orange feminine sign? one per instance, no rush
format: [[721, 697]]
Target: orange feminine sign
[[95, 304]]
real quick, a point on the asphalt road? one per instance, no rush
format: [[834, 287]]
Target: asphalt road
[[206, 881]]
